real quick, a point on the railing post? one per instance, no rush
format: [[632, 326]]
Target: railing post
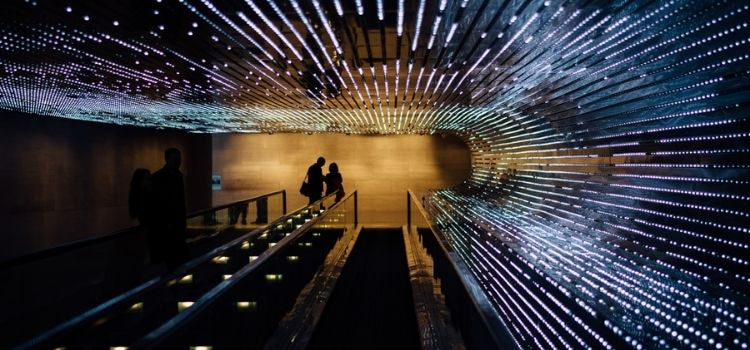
[[356, 210], [408, 212], [283, 200]]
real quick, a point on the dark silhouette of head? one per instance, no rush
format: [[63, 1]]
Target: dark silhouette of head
[[141, 178], [333, 168], [173, 158], [321, 161]]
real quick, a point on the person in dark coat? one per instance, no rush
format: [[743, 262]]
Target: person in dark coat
[[141, 197], [315, 180], [141, 205], [261, 206], [170, 224], [334, 181]]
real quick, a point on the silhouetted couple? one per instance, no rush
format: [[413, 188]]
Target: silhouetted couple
[[315, 179], [158, 202]]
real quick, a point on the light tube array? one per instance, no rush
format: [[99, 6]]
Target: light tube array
[[607, 205]]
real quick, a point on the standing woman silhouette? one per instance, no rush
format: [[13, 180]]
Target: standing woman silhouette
[[334, 181]]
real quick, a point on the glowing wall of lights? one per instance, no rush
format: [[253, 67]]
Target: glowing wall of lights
[[608, 205]]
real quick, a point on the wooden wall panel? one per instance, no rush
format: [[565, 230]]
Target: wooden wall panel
[[64, 180], [380, 167]]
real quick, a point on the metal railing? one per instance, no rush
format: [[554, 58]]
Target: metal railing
[[160, 337], [124, 300], [86, 273], [87, 242]]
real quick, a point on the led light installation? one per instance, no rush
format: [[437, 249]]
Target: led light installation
[[608, 204]]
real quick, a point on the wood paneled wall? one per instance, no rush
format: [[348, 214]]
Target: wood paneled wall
[[382, 168], [63, 180]]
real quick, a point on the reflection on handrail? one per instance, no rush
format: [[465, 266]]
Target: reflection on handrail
[[159, 336], [150, 285], [494, 334], [67, 247]]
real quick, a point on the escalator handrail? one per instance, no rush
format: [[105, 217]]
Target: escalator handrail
[[86, 242], [154, 339], [501, 341], [130, 295]]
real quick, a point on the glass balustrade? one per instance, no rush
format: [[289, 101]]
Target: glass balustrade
[[246, 310], [51, 286], [257, 274]]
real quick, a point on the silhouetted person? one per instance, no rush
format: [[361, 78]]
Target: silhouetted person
[[315, 180], [142, 207], [261, 210], [237, 211], [334, 181], [170, 223], [140, 198]]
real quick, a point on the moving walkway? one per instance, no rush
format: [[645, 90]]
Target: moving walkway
[[46, 288], [312, 278]]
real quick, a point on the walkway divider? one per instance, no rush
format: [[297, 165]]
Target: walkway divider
[[478, 322], [298, 326], [435, 329]]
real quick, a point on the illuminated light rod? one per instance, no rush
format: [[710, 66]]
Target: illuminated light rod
[[275, 29], [236, 28], [261, 34], [339, 9], [297, 35], [311, 30], [418, 25], [399, 18]]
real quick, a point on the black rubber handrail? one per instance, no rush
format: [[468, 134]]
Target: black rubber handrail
[[136, 292], [497, 330], [157, 337], [86, 242]]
